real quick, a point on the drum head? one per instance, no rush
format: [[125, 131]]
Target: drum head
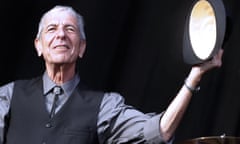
[[204, 30]]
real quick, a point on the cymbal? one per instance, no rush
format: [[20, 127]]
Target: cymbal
[[213, 140]]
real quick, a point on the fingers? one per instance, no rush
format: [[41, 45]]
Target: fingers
[[214, 62], [217, 59]]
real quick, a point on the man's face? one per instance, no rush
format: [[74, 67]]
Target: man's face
[[60, 41]]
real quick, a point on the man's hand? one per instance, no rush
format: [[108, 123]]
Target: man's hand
[[216, 61]]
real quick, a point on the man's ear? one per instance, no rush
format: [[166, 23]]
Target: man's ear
[[82, 48], [38, 47]]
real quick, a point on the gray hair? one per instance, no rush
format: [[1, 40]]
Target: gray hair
[[79, 17]]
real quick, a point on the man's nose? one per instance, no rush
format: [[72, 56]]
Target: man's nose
[[60, 33]]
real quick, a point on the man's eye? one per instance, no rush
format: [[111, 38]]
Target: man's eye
[[70, 29], [51, 29]]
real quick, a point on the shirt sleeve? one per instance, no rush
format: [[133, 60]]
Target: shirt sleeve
[[5, 98], [121, 123]]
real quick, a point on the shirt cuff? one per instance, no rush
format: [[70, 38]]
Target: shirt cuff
[[152, 132]]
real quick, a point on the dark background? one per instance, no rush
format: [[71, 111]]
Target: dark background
[[134, 47]]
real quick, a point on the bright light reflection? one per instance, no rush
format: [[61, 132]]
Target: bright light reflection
[[202, 29]]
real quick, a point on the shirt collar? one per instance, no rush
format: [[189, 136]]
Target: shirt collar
[[68, 86]]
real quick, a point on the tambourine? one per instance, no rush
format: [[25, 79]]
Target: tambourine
[[204, 30]]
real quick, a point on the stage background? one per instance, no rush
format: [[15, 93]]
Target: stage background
[[134, 47]]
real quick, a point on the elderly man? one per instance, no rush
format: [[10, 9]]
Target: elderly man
[[56, 108]]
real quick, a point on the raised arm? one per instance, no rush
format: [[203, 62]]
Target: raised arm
[[178, 106]]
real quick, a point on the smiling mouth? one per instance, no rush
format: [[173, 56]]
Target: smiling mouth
[[61, 47]]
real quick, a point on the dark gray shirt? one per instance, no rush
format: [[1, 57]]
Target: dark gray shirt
[[130, 125]]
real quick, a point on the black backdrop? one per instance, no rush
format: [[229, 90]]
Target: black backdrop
[[134, 47]]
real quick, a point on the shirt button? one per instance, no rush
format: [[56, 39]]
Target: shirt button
[[48, 125]]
